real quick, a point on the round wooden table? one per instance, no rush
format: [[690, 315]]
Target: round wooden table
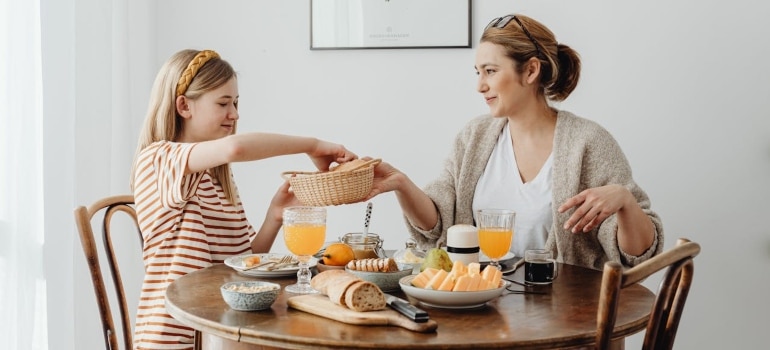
[[565, 316]]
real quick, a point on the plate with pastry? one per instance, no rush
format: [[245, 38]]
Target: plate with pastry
[[266, 265]]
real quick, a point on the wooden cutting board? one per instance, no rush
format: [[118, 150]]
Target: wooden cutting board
[[321, 305]]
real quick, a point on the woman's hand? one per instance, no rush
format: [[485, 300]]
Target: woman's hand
[[386, 179], [594, 205], [326, 153]]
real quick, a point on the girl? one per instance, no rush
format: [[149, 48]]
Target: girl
[[187, 203]]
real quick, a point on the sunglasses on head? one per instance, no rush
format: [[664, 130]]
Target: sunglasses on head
[[501, 22]]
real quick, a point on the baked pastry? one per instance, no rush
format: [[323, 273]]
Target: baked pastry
[[373, 265]]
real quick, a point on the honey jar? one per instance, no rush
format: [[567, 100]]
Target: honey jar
[[371, 247]]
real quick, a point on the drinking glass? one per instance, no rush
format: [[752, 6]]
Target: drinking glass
[[495, 233], [304, 231]]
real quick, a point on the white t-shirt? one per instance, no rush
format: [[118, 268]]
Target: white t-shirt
[[501, 187]]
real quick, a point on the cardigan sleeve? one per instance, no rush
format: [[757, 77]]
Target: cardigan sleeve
[[443, 194], [587, 156], [452, 192]]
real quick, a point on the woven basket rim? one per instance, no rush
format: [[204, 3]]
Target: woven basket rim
[[364, 167]]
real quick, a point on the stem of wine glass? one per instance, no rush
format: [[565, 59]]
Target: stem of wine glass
[[494, 263], [303, 275]]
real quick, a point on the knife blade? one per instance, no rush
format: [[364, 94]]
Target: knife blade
[[403, 307]]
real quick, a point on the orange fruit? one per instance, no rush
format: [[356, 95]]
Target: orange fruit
[[338, 254]]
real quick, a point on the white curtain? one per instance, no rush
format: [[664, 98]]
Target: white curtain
[[23, 319]]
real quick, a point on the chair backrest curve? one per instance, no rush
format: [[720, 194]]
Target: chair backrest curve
[[83, 218], [669, 302]]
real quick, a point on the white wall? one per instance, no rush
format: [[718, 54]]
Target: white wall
[[682, 85]]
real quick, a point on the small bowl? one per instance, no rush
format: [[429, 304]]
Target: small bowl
[[250, 295], [387, 281], [321, 267]]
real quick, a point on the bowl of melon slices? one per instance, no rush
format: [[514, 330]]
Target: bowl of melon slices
[[464, 287]]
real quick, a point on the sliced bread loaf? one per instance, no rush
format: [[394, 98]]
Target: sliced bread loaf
[[364, 296]]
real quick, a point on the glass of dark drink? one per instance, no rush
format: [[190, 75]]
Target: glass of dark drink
[[539, 266]]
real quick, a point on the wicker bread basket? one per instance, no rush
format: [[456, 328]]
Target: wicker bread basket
[[332, 187]]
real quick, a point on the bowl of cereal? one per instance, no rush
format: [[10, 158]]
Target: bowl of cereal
[[250, 295]]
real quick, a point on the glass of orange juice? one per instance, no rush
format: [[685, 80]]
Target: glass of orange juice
[[304, 231], [495, 232]]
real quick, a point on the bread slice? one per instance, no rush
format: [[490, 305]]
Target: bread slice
[[336, 291], [364, 296], [347, 166], [323, 280]]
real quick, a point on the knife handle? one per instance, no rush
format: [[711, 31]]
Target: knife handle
[[409, 311]]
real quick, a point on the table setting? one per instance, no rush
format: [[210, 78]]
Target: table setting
[[324, 291]]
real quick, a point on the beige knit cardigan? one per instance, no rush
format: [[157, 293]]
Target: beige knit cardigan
[[585, 155]]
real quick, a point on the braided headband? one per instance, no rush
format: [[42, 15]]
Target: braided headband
[[192, 69]]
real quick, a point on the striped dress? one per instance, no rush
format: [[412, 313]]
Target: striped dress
[[187, 224]]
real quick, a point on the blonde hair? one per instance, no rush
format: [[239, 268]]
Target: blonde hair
[[523, 38], [190, 73]]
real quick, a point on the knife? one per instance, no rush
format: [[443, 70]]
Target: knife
[[403, 307]]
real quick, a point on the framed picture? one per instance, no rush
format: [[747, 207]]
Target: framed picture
[[389, 24]]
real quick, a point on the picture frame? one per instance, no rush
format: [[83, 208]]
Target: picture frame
[[389, 24]]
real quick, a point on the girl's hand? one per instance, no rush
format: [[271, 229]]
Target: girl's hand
[[593, 206], [326, 153], [282, 198]]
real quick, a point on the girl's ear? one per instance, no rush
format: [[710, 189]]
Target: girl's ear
[[532, 73], [183, 107]]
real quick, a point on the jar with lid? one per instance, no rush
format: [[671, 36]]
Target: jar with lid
[[410, 257], [364, 247]]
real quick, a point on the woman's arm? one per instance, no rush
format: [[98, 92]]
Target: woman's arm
[[636, 231], [415, 204]]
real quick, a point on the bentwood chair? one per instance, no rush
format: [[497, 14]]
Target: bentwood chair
[[83, 218], [669, 301]]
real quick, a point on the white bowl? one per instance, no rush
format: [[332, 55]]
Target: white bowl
[[450, 300], [250, 295], [387, 281]]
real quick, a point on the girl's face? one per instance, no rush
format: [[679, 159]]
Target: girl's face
[[503, 88], [211, 116]]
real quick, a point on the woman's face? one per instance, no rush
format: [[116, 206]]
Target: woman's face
[[502, 87], [213, 115]]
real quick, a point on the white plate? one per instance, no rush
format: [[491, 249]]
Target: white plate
[[236, 262], [450, 300]]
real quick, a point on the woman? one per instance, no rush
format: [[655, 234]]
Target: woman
[[187, 203], [565, 176]]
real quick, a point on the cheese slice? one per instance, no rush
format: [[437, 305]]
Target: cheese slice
[[461, 284], [459, 268], [436, 281], [492, 275], [473, 285], [448, 283], [422, 279], [474, 268]]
